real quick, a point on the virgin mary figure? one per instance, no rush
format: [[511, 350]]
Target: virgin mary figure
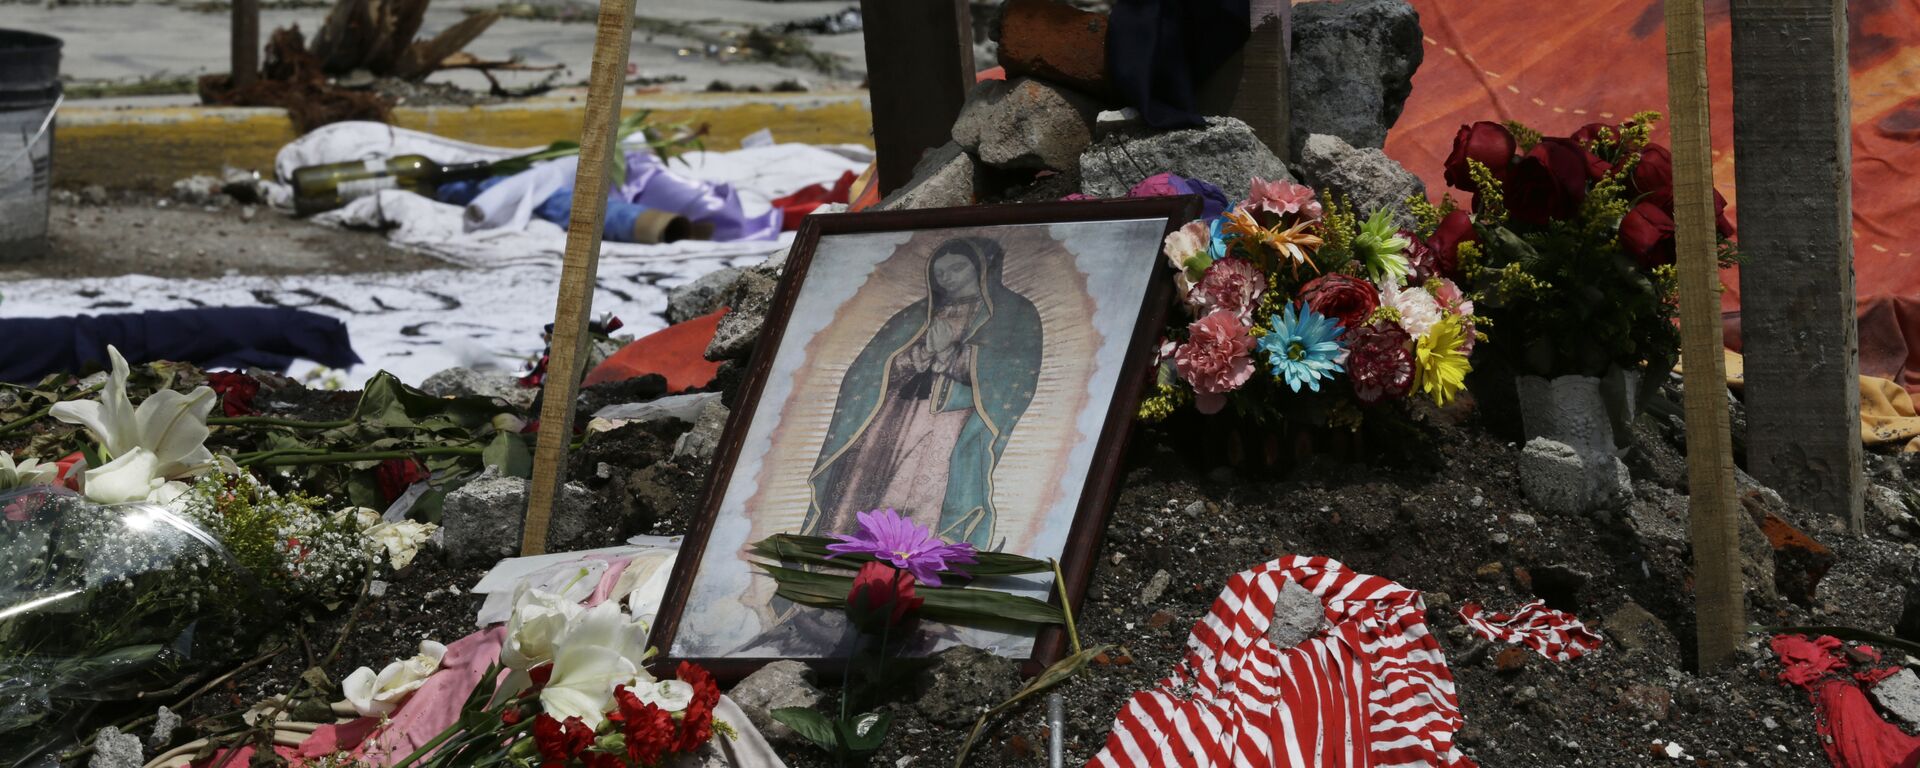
[[927, 407]]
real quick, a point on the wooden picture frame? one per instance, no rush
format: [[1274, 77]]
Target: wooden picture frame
[[1102, 471]]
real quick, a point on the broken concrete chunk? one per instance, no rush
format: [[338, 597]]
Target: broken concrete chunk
[[1367, 178], [1026, 123], [1224, 152], [1298, 615], [1352, 68], [944, 178]]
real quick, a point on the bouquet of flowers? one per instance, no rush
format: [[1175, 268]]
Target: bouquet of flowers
[[571, 689], [1570, 238], [1296, 308]]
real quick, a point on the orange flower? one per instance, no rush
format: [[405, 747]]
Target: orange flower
[[1295, 242]]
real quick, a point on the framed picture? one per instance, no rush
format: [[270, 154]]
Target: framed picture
[[976, 369]]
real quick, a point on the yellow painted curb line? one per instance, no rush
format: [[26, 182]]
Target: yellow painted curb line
[[150, 148]]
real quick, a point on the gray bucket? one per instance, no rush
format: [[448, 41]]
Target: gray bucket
[[29, 95]]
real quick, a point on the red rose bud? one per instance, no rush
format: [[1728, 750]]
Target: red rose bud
[[1549, 183], [236, 391], [1347, 299], [1647, 232], [1654, 173], [511, 715], [1454, 229], [882, 596], [1490, 143]]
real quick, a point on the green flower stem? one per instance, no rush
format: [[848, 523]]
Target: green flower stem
[[25, 420], [428, 747], [286, 459], [1066, 609], [273, 421]]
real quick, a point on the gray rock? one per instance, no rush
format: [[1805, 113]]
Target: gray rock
[[1659, 519], [1366, 177], [1225, 153], [200, 190], [1025, 123], [1352, 68], [94, 194], [164, 722], [481, 521], [1297, 616], [1637, 630], [1886, 506], [702, 296], [775, 686], [113, 749], [1900, 695], [751, 297], [1553, 477], [697, 446], [944, 178], [684, 408], [1156, 586], [460, 382], [962, 682]]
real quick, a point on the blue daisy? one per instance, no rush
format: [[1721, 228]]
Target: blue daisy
[[1304, 347]]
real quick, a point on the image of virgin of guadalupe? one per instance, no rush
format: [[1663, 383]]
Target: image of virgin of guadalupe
[[927, 407]]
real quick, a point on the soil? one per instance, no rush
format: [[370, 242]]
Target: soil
[[139, 234], [1456, 527]]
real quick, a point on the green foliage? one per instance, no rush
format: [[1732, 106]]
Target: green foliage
[[1523, 136], [1491, 200]]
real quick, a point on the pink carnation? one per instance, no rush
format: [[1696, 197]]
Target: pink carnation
[[1455, 302], [1232, 284], [1282, 197], [1216, 359]]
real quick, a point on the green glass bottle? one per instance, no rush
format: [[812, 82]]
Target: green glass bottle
[[319, 188]]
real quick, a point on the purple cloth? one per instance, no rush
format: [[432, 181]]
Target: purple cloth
[[1213, 202], [650, 184]]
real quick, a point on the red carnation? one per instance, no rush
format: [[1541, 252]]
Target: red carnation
[[1490, 143], [395, 476], [1647, 231], [882, 596], [1345, 298], [1548, 183], [236, 391], [511, 715], [1380, 362], [1454, 229], [560, 742], [647, 729]]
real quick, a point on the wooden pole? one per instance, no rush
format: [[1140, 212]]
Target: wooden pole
[[919, 69], [244, 59], [1719, 610], [1792, 148], [613, 36], [1254, 85]]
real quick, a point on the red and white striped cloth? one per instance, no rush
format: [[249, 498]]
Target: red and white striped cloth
[[1554, 634], [1372, 691]]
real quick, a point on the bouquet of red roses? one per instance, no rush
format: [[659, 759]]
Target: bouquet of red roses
[[1570, 239]]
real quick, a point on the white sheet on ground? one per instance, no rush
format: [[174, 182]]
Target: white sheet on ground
[[760, 174]]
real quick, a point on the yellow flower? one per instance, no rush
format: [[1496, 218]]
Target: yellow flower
[[1294, 242], [1439, 367]]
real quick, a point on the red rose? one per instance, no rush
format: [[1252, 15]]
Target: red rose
[[236, 391], [1654, 173], [881, 597], [1549, 183], [560, 742], [1588, 134], [1647, 231], [1490, 143], [1345, 298], [395, 476], [1454, 229]]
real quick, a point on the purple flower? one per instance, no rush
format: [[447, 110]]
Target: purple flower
[[887, 535]]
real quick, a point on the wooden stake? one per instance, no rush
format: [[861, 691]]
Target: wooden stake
[[919, 69], [1254, 84], [614, 34], [1792, 145], [1720, 613], [244, 58]]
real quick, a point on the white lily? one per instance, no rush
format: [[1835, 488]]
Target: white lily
[[380, 694], [165, 437], [668, 695], [26, 472], [603, 650], [540, 621]]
